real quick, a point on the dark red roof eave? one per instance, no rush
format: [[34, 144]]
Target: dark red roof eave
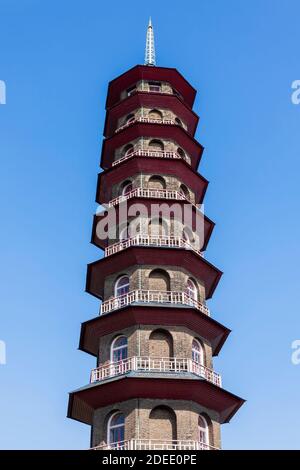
[[140, 72], [138, 129], [225, 403], [135, 165], [207, 327], [139, 95], [208, 224], [138, 255]]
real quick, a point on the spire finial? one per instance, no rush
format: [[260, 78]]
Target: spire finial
[[150, 48]]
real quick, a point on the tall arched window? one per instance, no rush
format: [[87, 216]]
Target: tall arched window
[[162, 424], [155, 114], [119, 349], [159, 280], [181, 153], [156, 182], [128, 149], [130, 118], [197, 352], [122, 286], [191, 289], [116, 430], [203, 430], [156, 145], [178, 121], [157, 227], [188, 235], [184, 191], [124, 233], [127, 187]]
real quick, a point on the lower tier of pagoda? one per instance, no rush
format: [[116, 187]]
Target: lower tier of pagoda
[[84, 401]]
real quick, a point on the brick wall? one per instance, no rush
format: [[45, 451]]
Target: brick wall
[[182, 423]]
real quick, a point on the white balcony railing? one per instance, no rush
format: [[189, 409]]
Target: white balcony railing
[[149, 193], [156, 444], [153, 241], [150, 297], [148, 153], [147, 120], [155, 364]]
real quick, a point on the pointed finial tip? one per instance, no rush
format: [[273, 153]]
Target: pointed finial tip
[[150, 48]]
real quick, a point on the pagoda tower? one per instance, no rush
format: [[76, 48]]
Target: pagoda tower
[[154, 386]]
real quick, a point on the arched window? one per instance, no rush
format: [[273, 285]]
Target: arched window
[[119, 349], [197, 352], [156, 145], [203, 430], [154, 86], [191, 289], [157, 228], [162, 424], [160, 344], [155, 114], [188, 235], [122, 286], [181, 153], [184, 191], [130, 91], [128, 149], [116, 430], [159, 280], [156, 182], [124, 233], [130, 118], [126, 188], [178, 121]]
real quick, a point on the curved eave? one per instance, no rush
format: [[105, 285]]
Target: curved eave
[[203, 222], [151, 256], [144, 72], [133, 315], [150, 165], [84, 401], [158, 131], [150, 100]]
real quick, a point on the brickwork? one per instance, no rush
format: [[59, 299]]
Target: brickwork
[[138, 339], [143, 143], [151, 113], [140, 419], [139, 279]]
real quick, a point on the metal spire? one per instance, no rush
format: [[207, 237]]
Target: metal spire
[[150, 48]]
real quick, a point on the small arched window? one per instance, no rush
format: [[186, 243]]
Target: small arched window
[[156, 182], [155, 114], [122, 286], [154, 86], [181, 153], [184, 191], [188, 235], [130, 118], [203, 430], [130, 91], [128, 150], [156, 145], [127, 187], [197, 352], [116, 430], [119, 349], [191, 289], [178, 122], [124, 233]]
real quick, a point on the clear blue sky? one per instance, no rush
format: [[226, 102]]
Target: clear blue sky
[[56, 59]]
